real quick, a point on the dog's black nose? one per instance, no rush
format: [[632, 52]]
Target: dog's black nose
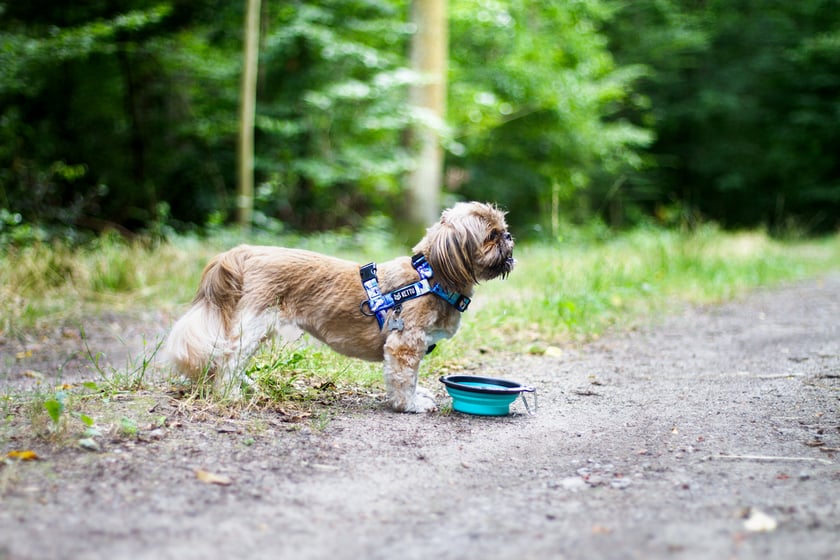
[[508, 236]]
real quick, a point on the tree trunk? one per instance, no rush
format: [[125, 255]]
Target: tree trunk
[[248, 102], [429, 47]]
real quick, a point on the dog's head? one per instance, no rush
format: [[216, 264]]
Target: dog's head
[[469, 244]]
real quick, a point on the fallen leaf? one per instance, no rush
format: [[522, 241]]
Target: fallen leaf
[[26, 455], [759, 522], [553, 351], [69, 333], [89, 444], [23, 354], [210, 478], [33, 374], [572, 484]]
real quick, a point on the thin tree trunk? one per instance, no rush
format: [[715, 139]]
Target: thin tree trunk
[[429, 48], [248, 102]]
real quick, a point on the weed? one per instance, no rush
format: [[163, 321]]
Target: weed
[[52, 415], [54, 406], [320, 421], [275, 371], [46, 413], [132, 377], [128, 427]]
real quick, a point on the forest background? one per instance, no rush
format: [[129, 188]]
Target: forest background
[[122, 115]]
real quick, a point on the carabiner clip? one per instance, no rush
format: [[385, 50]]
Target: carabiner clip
[[367, 313], [524, 400]]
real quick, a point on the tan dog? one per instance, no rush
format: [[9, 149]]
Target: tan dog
[[247, 292]]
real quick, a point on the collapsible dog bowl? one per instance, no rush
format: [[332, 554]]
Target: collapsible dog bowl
[[485, 396]]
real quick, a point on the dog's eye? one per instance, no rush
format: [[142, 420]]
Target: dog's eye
[[494, 235]]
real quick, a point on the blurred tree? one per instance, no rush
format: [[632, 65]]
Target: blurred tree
[[429, 53], [537, 102], [123, 114], [332, 112], [248, 102], [107, 111], [744, 104]]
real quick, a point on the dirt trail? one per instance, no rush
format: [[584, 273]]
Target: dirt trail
[[711, 434]]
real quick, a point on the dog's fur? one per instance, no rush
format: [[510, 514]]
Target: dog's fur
[[248, 292]]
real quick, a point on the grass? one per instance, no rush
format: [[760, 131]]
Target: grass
[[577, 290], [560, 293], [45, 282]]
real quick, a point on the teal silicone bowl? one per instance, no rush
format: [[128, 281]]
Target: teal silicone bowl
[[483, 396]]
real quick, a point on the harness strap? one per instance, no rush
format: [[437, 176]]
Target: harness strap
[[378, 303], [424, 269]]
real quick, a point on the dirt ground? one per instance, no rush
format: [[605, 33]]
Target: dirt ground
[[711, 433]]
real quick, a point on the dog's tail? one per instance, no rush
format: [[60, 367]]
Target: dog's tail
[[222, 281], [197, 344]]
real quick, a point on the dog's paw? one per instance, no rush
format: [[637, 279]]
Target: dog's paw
[[423, 401]]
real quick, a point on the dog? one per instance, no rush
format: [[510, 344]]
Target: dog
[[248, 292]]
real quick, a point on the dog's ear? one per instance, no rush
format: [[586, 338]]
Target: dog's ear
[[451, 246]]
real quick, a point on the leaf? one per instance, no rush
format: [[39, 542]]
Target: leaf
[[54, 408], [89, 444], [86, 420], [210, 478], [760, 522], [26, 455], [601, 530], [128, 426], [90, 385], [553, 351]]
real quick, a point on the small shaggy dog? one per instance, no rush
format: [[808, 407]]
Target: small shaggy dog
[[395, 312]]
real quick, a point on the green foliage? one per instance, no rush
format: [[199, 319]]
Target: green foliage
[[128, 427], [305, 371], [122, 116], [743, 101], [55, 406], [332, 112], [102, 115], [536, 100], [579, 288]]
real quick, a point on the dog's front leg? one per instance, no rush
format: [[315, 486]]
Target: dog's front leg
[[403, 352]]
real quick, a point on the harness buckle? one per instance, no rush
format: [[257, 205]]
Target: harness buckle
[[462, 303], [368, 272]]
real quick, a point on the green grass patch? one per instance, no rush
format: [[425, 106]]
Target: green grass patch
[[567, 292], [559, 293], [45, 283]]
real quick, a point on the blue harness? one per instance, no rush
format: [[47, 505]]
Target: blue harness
[[378, 304]]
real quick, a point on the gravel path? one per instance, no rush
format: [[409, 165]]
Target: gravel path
[[713, 433]]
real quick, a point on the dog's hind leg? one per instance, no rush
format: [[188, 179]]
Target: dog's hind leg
[[403, 352], [248, 333]]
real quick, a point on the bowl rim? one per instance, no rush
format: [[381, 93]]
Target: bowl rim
[[503, 386]]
